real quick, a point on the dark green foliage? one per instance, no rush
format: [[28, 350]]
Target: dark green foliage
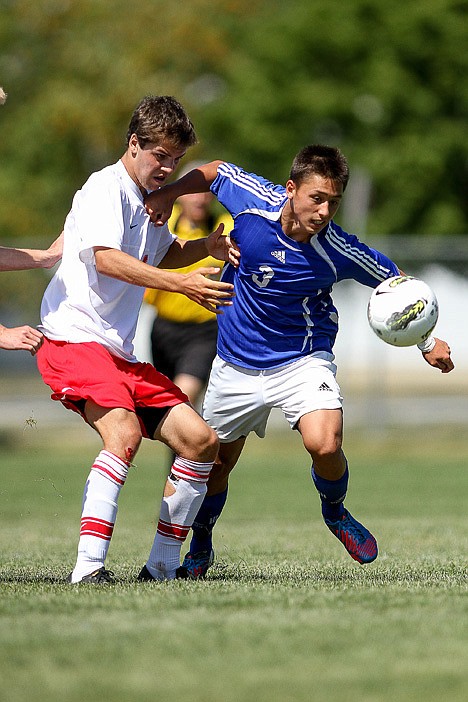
[[386, 83]]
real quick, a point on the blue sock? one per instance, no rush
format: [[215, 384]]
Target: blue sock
[[332, 494], [202, 527]]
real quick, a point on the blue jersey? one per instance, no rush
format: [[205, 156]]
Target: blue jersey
[[283, 309]]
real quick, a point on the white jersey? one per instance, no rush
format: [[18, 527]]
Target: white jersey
[[82, 305]]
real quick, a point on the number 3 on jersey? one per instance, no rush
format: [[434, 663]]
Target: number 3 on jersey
[[263, 280]]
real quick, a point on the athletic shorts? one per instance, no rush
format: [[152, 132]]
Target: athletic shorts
[[184, 347], [239, 400], [80, 372]]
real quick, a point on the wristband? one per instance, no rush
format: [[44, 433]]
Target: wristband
[[427, 345]]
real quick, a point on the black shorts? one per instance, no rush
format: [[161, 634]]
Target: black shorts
[[184, 347]]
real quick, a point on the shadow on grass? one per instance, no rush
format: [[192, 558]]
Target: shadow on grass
[[341, 575], [27, 577], [285, 574]]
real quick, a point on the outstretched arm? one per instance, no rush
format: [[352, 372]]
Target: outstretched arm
[[437, 354], [12, 259], [159, 203], [20, 338]]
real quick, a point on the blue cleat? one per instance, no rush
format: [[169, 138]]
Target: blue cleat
[[195, 565], [357, 540]]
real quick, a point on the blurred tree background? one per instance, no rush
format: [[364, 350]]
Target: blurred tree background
[[384, 81]]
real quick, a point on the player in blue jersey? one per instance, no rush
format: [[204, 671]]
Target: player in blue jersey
[[275, 343]]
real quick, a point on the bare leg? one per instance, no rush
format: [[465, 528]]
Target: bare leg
[[193, 388], [322, 435]]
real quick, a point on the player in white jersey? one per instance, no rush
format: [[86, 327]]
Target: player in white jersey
[[275, 344], [112, 252]]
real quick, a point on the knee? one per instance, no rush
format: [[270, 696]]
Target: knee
[[127, 448], [127, 440], [207, 443], [118, 428], [327, 450], [212, 443], [219, 477], [220, 470], [131, 433]]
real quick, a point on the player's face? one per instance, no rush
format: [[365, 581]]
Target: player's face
[[313, 204], [152, 164]]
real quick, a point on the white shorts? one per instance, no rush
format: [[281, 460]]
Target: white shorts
[[239, 400]]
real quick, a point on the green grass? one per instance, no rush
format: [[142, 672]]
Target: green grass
[[284, 614]]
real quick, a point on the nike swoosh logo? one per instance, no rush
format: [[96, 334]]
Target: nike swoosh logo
[[132, 226]]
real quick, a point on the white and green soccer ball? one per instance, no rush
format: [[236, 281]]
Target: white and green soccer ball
[[403, 311]]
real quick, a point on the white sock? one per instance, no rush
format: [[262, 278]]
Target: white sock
[[99, 511], [176, 516]]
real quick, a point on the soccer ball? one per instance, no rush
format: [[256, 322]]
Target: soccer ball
[[403, 311]]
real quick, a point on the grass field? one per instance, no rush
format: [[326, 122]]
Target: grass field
[[284, 614]]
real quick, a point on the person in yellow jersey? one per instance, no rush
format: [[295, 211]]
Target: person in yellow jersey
[[183, 335]]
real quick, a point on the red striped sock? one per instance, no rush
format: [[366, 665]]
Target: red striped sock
[[176, 516], [99, 512]]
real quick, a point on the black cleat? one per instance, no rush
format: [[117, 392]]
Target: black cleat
[[97, 577], [144, 575]]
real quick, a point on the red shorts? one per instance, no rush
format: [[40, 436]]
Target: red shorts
[[80, 372]]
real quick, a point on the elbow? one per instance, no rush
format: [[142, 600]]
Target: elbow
[[101, 261], [210, 171], [215, 165]]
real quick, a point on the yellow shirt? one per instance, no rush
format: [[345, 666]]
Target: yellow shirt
[[175, 306]]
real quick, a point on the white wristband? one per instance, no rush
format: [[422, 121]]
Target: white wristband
[[427, 345]]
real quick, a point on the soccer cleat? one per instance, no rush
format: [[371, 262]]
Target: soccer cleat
[[195, 565], [97, 577], [145, 576], [357, 540]]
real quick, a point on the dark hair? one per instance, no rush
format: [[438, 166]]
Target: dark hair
[[160, 117], [317, 159]]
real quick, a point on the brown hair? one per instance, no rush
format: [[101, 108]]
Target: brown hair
[[160, 117], [317, 159]]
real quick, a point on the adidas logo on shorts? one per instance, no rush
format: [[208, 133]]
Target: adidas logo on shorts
[[324, 386]]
